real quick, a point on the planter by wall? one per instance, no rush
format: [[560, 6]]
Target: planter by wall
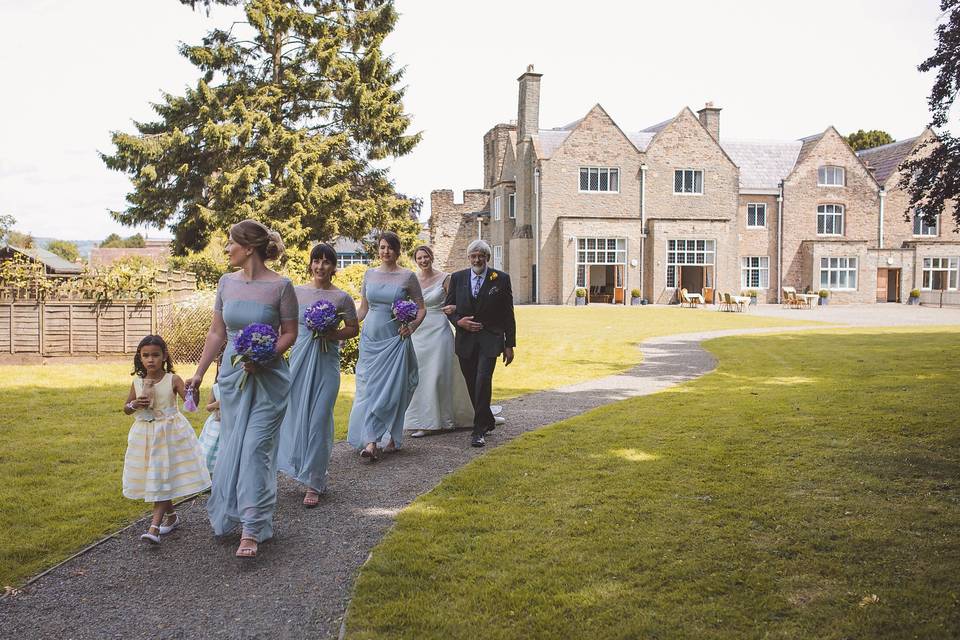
[[753, 301], [635, 301], [824, 302], [913, 300], [581, 302]]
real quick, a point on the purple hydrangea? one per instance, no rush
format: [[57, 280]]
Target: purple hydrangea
[[404, 312], [257, 343], [320, 317]]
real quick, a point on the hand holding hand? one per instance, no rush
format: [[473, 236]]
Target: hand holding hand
[[193, 383], [507, 356], [467, 323]]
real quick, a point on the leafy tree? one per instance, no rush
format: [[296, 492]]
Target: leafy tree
[[284, 126], [208, 264], [20, 239], [114, 241], [932, 175], [66, 250], [868, 139], [6, 225]]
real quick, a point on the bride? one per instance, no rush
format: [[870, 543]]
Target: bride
[[441, 401]]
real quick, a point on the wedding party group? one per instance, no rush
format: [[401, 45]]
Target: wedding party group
[[272, 413]]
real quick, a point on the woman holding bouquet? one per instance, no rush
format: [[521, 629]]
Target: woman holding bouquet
[[306, 436], [252, 306], [387, 366]]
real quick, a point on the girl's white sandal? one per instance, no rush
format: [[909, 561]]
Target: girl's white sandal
[[150, 537], [167, 528]]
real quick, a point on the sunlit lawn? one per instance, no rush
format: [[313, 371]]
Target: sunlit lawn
[[64, 435], [806, 489]]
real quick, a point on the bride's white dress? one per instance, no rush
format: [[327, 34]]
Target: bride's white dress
[[441, 400]]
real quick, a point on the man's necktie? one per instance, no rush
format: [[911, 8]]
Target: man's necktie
[[477, 281]]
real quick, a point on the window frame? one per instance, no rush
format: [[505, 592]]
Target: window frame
[[952, 271], [589, 252], [755, 205], [607, 171], [832, 169], [850, 266], [687, 247], [761, 269], [936, 227], [512, 206], [498, 257], [345, 260], [496, 207], [833, 214], [693, 181]]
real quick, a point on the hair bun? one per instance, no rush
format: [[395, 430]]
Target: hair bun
[[275, 246]]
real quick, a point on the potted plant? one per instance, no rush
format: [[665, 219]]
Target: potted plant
[[824, 297], [581, 298], [914, 297], [643, 302], [753, 296], [634, 297]]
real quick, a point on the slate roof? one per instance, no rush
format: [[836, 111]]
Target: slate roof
[[885, 159], [763, 164], [51, 261]]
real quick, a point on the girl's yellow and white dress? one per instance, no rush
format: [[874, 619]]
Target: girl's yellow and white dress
[[163, 460]]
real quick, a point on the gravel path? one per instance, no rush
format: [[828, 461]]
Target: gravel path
[[299, 587]]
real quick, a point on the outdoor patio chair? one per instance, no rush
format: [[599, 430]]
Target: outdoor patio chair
[[732, 304], [722, 304], [790, 299], [685, 299]]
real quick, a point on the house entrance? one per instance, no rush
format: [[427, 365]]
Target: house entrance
[[888, 285], [600, 268], [690, 265]]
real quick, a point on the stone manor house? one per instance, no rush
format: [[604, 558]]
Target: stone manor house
[[678, 206]]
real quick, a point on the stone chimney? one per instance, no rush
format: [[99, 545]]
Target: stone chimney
[[528, 110], [710, 118]]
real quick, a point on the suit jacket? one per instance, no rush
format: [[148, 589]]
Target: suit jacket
[[493, 308]]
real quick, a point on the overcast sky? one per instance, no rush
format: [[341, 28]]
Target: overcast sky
[[780, 69]]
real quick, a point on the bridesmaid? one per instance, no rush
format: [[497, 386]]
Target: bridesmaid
[[245, 477], [387, 366], [441, 401], [306, 436]]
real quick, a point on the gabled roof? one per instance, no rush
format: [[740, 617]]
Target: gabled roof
[[885, 159], [48, 259], [763, 164], [547, 141], [808, 144]]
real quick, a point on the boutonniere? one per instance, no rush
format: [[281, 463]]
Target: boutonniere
[[493, 276]]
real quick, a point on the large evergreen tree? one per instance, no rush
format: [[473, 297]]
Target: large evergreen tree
[[932, 175], [291, 112]]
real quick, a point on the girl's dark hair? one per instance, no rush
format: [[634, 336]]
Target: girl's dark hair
[[151, 341], [321, 251], [392, 240], [427, 250]]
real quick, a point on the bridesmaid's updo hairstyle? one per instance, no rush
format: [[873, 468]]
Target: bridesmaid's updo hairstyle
[[392, 240], [250, 233], [427, 250], [323, 250]]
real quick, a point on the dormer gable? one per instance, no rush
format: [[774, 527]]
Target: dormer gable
[[581, 141], [685, 121], [829, 149]]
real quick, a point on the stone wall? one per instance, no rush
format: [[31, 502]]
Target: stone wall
[[453, 226], [760, 242]]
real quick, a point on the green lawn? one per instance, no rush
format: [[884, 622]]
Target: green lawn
[[806, 489], [64, 434]]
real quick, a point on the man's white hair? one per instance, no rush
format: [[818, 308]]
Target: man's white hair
[[479, 245]]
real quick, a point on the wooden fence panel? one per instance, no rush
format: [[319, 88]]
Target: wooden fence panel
[[5, 311], [56, 329], [26, 328], [139, 324]]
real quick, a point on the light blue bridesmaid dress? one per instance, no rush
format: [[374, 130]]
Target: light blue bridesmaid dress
[[306, 436], [387, 366], [245, 477]]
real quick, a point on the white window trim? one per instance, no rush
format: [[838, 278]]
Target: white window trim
[[832, 166], [703, 179], [498, 257], [496, 207], [855, 269], [673, 267], [757, 226], [761, 269], [913, 225], [512, 206], [924, 269], [843, 218], [598, 191]]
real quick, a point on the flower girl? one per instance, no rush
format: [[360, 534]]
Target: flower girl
[[163, 459]]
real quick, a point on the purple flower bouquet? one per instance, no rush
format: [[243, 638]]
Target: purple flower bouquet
[[256, 343], [320, 317], [404, 312]]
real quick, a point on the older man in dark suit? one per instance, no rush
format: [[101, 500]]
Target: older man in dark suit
[[480, 305]]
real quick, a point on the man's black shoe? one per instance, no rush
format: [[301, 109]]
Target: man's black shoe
[[491, 428], [477, 441]]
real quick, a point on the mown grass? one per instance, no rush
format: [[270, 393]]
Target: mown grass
[[61, 456], [806, 489]]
